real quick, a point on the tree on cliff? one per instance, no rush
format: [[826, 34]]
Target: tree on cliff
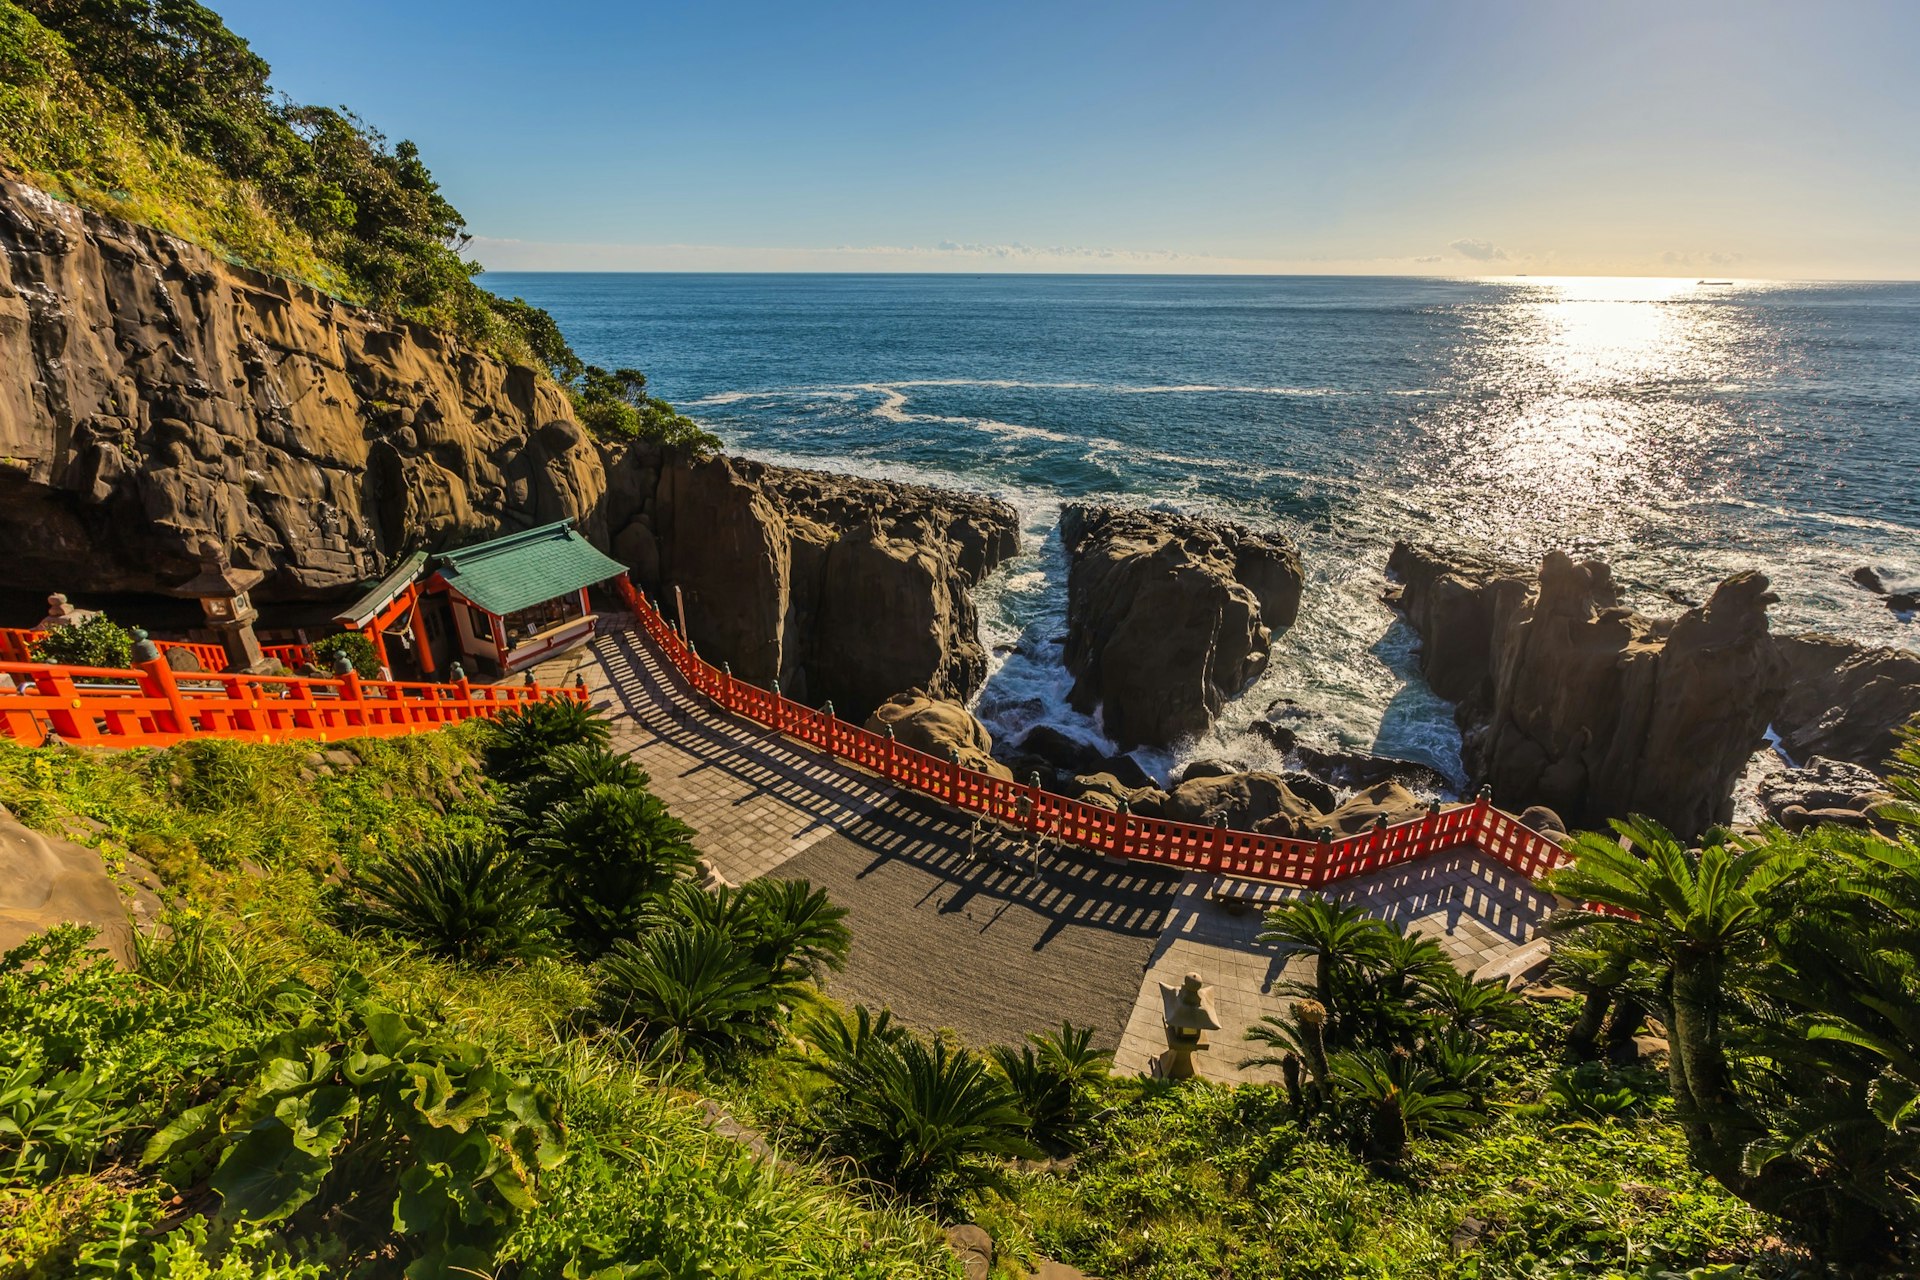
[[1789, 978]]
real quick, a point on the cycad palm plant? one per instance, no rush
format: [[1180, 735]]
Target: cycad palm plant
[[1399, 1097], [519, 744], [606, 854], [1055, 1076], [798, 932], [685, 990], [465, 898], [1467, 1003], [923, 1119], [1339, 935], [1695, 914]]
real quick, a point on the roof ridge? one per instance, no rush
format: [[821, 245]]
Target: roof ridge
[[509, 541]]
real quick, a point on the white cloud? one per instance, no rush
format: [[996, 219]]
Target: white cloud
[[1478, 250]]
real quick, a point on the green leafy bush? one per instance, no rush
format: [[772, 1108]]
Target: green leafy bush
[[358, 649], [465, 898], [97, 642], [357, 1112], [616, 406]]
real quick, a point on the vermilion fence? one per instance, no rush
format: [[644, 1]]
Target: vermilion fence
[[17, 646], [1106, 831], [151, 705]]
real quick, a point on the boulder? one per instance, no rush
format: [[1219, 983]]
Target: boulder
[[1168, 616], [1388, 800], [1569, 700], [1822, 786], [938, 727], [47, 881], [1845, 701], [1358, 770], [1245, 800], [1869, 579], [1059, 750], [1210, 769], [1542, 820], [1107, 791]]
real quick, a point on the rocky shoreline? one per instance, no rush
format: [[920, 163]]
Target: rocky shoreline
[[168, 396]]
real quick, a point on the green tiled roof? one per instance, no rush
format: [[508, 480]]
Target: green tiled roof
[[523, 569]]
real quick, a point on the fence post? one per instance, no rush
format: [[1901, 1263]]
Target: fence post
[[1482, 806], [157, 678], [1033, 801], [1323, 857], [779, 704], [826, 709], [70, 721], [892, 770]]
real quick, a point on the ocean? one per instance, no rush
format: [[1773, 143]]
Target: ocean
[[1680, 430]]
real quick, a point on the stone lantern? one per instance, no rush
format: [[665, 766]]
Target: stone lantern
[[223, 594], [1187, 1011]]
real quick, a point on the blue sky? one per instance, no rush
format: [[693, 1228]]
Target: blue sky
[[1752, 139]]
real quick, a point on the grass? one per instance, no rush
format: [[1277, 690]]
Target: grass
[[1186, 1182]]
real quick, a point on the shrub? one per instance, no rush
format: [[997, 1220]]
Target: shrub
[[925, 1120], [1056, 1077], [522, 743], [359, 651], [604, 855], [465, 898], [358, 1114], [688, 990], [97, 642]]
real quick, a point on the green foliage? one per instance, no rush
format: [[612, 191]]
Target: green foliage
[[50, 1122], [520, 744], [616, 406], [604, 855], [97, 642], [1784, 971], [358, 649], [920, 1119], [688, 989], [465, 898], [355, 1106], [1057, 1078]]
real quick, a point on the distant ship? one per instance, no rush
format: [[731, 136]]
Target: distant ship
[[1716, 282]]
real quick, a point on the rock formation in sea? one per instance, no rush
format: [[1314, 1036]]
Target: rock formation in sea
[[1846, 701], [154, 396], [1168, 616], [838, 587], [1569, 700]]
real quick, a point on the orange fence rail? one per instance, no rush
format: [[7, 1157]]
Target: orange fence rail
[[291, 656], [151, 705], [16, 645], [1106, 831]]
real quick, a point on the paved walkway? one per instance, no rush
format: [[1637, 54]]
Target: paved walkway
[[1476, 909], [954, 928], [955, 925]]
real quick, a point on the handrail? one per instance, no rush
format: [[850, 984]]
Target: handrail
[[1113, 833], [16, 645], [151, 705]]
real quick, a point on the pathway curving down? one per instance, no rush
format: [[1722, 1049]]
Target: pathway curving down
[[960, 926]]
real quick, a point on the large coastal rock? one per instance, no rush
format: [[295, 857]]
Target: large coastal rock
[[1588, 707], [153, 395], [1846, 701], [942, 729], [1168, 616], [47, 881], [836, 586]]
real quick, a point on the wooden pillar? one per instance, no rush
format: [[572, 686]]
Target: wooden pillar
[[157, 678], [421, 644]]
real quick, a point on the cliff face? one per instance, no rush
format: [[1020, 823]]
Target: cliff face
[[153, 396], [842, 588], [1569, 700], [1168, 616]]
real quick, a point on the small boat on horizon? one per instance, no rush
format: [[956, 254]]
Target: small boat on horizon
[[1717, 282]]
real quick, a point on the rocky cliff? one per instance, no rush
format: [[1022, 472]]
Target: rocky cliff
[[154, 396], [838, 587], [1569, 700], [1846, 701], [1168, 616]]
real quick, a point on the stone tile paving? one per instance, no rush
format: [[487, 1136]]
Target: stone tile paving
[[1478, 910], [957, 926]]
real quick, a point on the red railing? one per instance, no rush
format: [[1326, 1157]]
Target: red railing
[[291, 656], [151, 705], [1116, 834], [16, 645]]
